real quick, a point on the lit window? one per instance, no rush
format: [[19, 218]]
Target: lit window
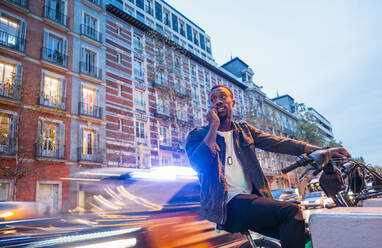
[[9, 31], [7, 75], [5, 131], [163, 135], [49, 137], [88, 142]]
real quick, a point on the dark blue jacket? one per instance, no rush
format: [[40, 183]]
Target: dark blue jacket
[[209, 164]]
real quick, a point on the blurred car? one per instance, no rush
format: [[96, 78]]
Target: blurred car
[[18, 210], [158, 207], [317, 199], [286, 194]]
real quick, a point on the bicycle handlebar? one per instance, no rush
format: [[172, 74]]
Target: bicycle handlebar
[[301, 161]]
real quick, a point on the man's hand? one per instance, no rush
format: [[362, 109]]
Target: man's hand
[[213, 118], [339, 153]]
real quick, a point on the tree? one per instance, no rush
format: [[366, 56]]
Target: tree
[[308, 131]]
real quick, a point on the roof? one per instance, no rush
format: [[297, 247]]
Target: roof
[[279, 97], [233, 60]]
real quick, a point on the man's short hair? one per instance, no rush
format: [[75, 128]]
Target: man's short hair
[[221, 86]]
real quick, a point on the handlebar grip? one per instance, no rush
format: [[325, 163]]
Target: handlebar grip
[[291, 167]]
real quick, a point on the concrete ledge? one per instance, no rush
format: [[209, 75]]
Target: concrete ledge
[[347, 227], [372, 203]]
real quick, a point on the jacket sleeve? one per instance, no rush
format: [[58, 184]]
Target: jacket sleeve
[[199, 154], [277, 144]]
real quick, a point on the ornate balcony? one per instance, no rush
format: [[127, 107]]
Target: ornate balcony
[[57, 102], [89, 110], [56, 16], [52, 152], [54, 56], [11, 41], [22, 3], [95, 157], [89, 70], [10, 89], [91, 33]]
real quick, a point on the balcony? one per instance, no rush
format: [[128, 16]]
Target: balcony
[[139, 74], [181, 91], [50, 152], [91, 33], [90, 70], [94, 156], [9, 89], [56, 15], [89, 110], [7, 149], [12, 41], [98, 3], [54, 56], [56, 102], [162, 111], [21, 3], [140, 104], [160, 82]]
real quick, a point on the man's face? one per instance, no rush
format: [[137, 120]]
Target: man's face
[[222, 102]]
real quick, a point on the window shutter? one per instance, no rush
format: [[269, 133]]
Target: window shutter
[[65, 52], [14, 133], [46, 38], [17, 84], [81, 101], [22, 35], [39, 137], [63, 93], [42, 87], [80, 143], [61, 140], [98, 103]]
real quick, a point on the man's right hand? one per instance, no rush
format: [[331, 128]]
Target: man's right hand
[[213, 118]]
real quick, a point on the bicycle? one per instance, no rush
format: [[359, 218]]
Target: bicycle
[[347, 182]]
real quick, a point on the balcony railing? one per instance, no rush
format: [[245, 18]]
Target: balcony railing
[[91, 33], [56, 16], [7, 149], [54, 56], [92, 71], [140, 104], [9, 89], [90, 110], [160, 81], [94, 157], [181, 115], [12, 41], [139, 74], [21, 3], [53, 101], [54, 152], [96, 2]]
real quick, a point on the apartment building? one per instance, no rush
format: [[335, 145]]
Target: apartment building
[[35, 71]]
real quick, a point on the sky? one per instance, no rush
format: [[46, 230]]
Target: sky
[[326, 54]]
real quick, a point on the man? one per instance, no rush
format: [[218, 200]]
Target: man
[[234, 191]]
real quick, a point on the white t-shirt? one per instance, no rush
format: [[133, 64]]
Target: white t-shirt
[[233, 169]]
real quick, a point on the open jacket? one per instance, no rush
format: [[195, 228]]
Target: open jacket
[[209, 164]]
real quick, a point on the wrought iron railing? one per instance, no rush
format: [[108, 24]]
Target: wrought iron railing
[[54, 56], [52, 101], [52, 152], [12, 41], [90, 110], [21, 3], [93, 157], [56, 15], [10, 89], [90, 70], [91, 33]]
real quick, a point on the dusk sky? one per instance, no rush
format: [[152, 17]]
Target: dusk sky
[[326, 54]]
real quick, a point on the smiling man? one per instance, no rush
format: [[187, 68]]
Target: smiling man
[[234, 191]]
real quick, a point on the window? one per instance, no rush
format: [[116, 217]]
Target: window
[[129, 10], [208, 46], [189, 32], [174, 22], [166, 18], [51, 139], [140, 17], [5, 189], [55, 10], [137, 41], [8, 79], [90, 27], [202, 42], [119, 59], [197, 117], [88, 64], [163, 137], [139, 99], [55, 48], [160, 78], [150, 23], [207, 78], [195, 94], [181, 28], [149, 7], [181, 112], [190, 48], [88, 142], [159, 28], [120, 124], [162, 106], [140, 130], [88, 104], [53, 91], [119, 30], [158, 11], [177, 64], [193, 71], [12, 32], [138, 69], [196, 41], [119, 90], [140, 4], [8, 129]]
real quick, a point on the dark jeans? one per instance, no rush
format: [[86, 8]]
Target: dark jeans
[[277, 219]]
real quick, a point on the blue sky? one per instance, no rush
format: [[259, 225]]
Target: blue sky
[[327, 54]]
